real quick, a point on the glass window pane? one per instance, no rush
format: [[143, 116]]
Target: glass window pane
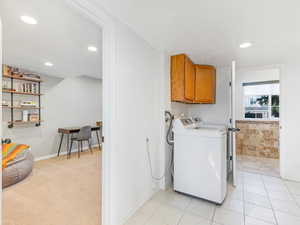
[[275, 112], [275, 100], [261, 101]]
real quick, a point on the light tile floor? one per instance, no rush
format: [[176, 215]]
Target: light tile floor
[[257, 200], [265, 166]]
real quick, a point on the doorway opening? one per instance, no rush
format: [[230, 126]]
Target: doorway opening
[[52, 87], [258, 118]]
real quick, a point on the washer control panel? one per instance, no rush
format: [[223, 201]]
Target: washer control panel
[[187, 121]]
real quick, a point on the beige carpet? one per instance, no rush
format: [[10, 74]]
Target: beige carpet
[[58, 192]]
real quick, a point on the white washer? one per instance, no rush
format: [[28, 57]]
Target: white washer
[[200, 159]]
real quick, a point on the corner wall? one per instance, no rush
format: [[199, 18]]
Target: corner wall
[[139, 114], [290, 121]]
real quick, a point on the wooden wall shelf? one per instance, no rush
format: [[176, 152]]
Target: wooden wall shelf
[[24, 122], [21, 108], [20, 93], [8, 73], [12, 123], [22, 78]]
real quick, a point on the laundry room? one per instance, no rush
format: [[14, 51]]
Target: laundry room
[[199, 97], [256, 108], [244, 103]]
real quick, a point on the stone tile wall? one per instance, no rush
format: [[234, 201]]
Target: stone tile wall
[[258, 138]]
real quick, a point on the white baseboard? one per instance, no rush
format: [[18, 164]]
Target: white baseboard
[[61, 153]]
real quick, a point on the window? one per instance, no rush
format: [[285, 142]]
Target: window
[[261, 100]]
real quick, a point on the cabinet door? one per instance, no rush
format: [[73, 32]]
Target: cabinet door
[[177, 77], [189, 80], [205, 84]]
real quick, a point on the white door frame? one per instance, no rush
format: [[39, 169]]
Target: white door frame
[[233, 122], [106, 23], [1, 119]]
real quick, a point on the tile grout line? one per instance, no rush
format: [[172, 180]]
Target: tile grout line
[[259, 172], [244, 205], [152, 214], [292, 195], [212, 219], [273, 210], [184, 211]]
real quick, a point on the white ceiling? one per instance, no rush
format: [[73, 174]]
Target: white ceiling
[[61, 36], [210, 31]]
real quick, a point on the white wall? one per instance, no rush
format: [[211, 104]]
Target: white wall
[[179, 109], [290, 121], [66, 102], [139, 115], [219, 112], [252, 75]]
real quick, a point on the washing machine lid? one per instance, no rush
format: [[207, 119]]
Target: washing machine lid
[[213, 132], [212, 125]]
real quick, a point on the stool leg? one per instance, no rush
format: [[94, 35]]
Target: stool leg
[[61, 139], [78, 149], [98, 139], [70, 150], [68, 142], [90, 146]]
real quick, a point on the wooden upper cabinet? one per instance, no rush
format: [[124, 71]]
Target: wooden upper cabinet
[[189, 81], [182, 79], [192, 83], [205, 84]]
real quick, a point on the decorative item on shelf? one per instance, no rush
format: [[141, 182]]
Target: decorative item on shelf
[[20, 87], [34, 88], [7, 71], [25, 115], [24, 87], [28, 103], [16, 72], [5, 85], [5, 103], [29, 88], [33, 117]]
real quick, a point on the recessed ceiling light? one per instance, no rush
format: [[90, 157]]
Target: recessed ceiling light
[[92, 49], [29, 20], [245, 45], [48, 64]]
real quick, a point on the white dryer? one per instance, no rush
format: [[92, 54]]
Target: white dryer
[[200, 159]]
